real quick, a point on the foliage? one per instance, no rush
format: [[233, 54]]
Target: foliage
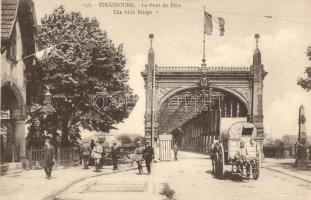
[[289, 140], [39, 122], [125, 139], [130, 138], [305, 83], [279, 142], [82, 63]]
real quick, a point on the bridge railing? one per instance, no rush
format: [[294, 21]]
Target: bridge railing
[[201, 69]]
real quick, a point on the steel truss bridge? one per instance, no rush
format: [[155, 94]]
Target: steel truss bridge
[[195, 103]]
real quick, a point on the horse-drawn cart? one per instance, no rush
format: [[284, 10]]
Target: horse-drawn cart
[[225, 151]]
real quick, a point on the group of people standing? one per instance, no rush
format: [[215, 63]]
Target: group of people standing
[[95, 152], [91, 154]]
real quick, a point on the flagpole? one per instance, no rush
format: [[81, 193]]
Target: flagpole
[[33, 54], [203, 60]]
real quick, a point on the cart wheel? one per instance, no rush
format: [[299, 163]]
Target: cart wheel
[[256, 167], [213, 165], [256, 170]]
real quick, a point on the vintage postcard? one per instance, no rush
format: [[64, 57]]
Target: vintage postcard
[[155, 99]]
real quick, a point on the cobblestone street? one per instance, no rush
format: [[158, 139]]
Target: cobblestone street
[[190, 177]]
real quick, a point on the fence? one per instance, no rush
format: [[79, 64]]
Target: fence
[[69, 156], [65, 156], [282, 152]]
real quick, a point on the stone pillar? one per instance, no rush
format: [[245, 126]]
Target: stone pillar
[[20, 142], [149, 87], [257, 109], [302, 134]]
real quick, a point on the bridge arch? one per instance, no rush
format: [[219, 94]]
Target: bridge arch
[[178, 90]]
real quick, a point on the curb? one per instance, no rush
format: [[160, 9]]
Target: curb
[[288, 174], [53, 194]]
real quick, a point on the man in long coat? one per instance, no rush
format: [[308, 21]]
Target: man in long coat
[[175, 150], [148, 154], [114, 156], [48, 157]]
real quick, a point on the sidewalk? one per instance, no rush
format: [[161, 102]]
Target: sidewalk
[[286, 166], [33, 184]]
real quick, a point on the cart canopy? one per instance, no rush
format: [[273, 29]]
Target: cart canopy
[[240, 130]]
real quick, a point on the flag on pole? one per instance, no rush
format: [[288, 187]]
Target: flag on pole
[[208, 24], [41, 54], [221, 23]]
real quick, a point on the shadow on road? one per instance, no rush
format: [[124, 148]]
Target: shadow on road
[[228, 176]]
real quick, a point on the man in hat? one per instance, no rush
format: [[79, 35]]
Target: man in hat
[[97, 154], [114, 156], [86, 154], [242, 157], [138, 156], [175, 150], [48, 157], [148, 154]]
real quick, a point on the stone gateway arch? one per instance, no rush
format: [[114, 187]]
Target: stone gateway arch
[[195, 103]]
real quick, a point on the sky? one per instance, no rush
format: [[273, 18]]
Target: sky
[[178, 38]]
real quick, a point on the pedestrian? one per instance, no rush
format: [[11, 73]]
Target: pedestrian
[[138, 156], [97, 154], [48, 157], [148, 154], [175, 150], [92, 145], [86, 154], [114, 156]]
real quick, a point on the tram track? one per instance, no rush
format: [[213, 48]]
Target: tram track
[[54, 194], [286, 173]]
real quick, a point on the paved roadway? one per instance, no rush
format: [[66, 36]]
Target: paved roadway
[[191, 179]]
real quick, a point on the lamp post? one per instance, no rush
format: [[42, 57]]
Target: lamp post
[[151, 36]]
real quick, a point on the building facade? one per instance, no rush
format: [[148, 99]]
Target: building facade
[[18, 24]]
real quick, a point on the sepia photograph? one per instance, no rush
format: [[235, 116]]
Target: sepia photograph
[[155, 100]]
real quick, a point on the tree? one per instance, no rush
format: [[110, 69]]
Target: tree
[[82, 63], [125, 139], [289, 140], [306, 83]]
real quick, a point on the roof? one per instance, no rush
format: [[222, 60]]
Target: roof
[[8, 16]]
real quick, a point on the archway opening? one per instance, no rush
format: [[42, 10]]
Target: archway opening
[[195, 116], [9, 109]]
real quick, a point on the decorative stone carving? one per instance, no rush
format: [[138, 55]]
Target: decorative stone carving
[[161, 92], [204, 82], [243, 91]]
